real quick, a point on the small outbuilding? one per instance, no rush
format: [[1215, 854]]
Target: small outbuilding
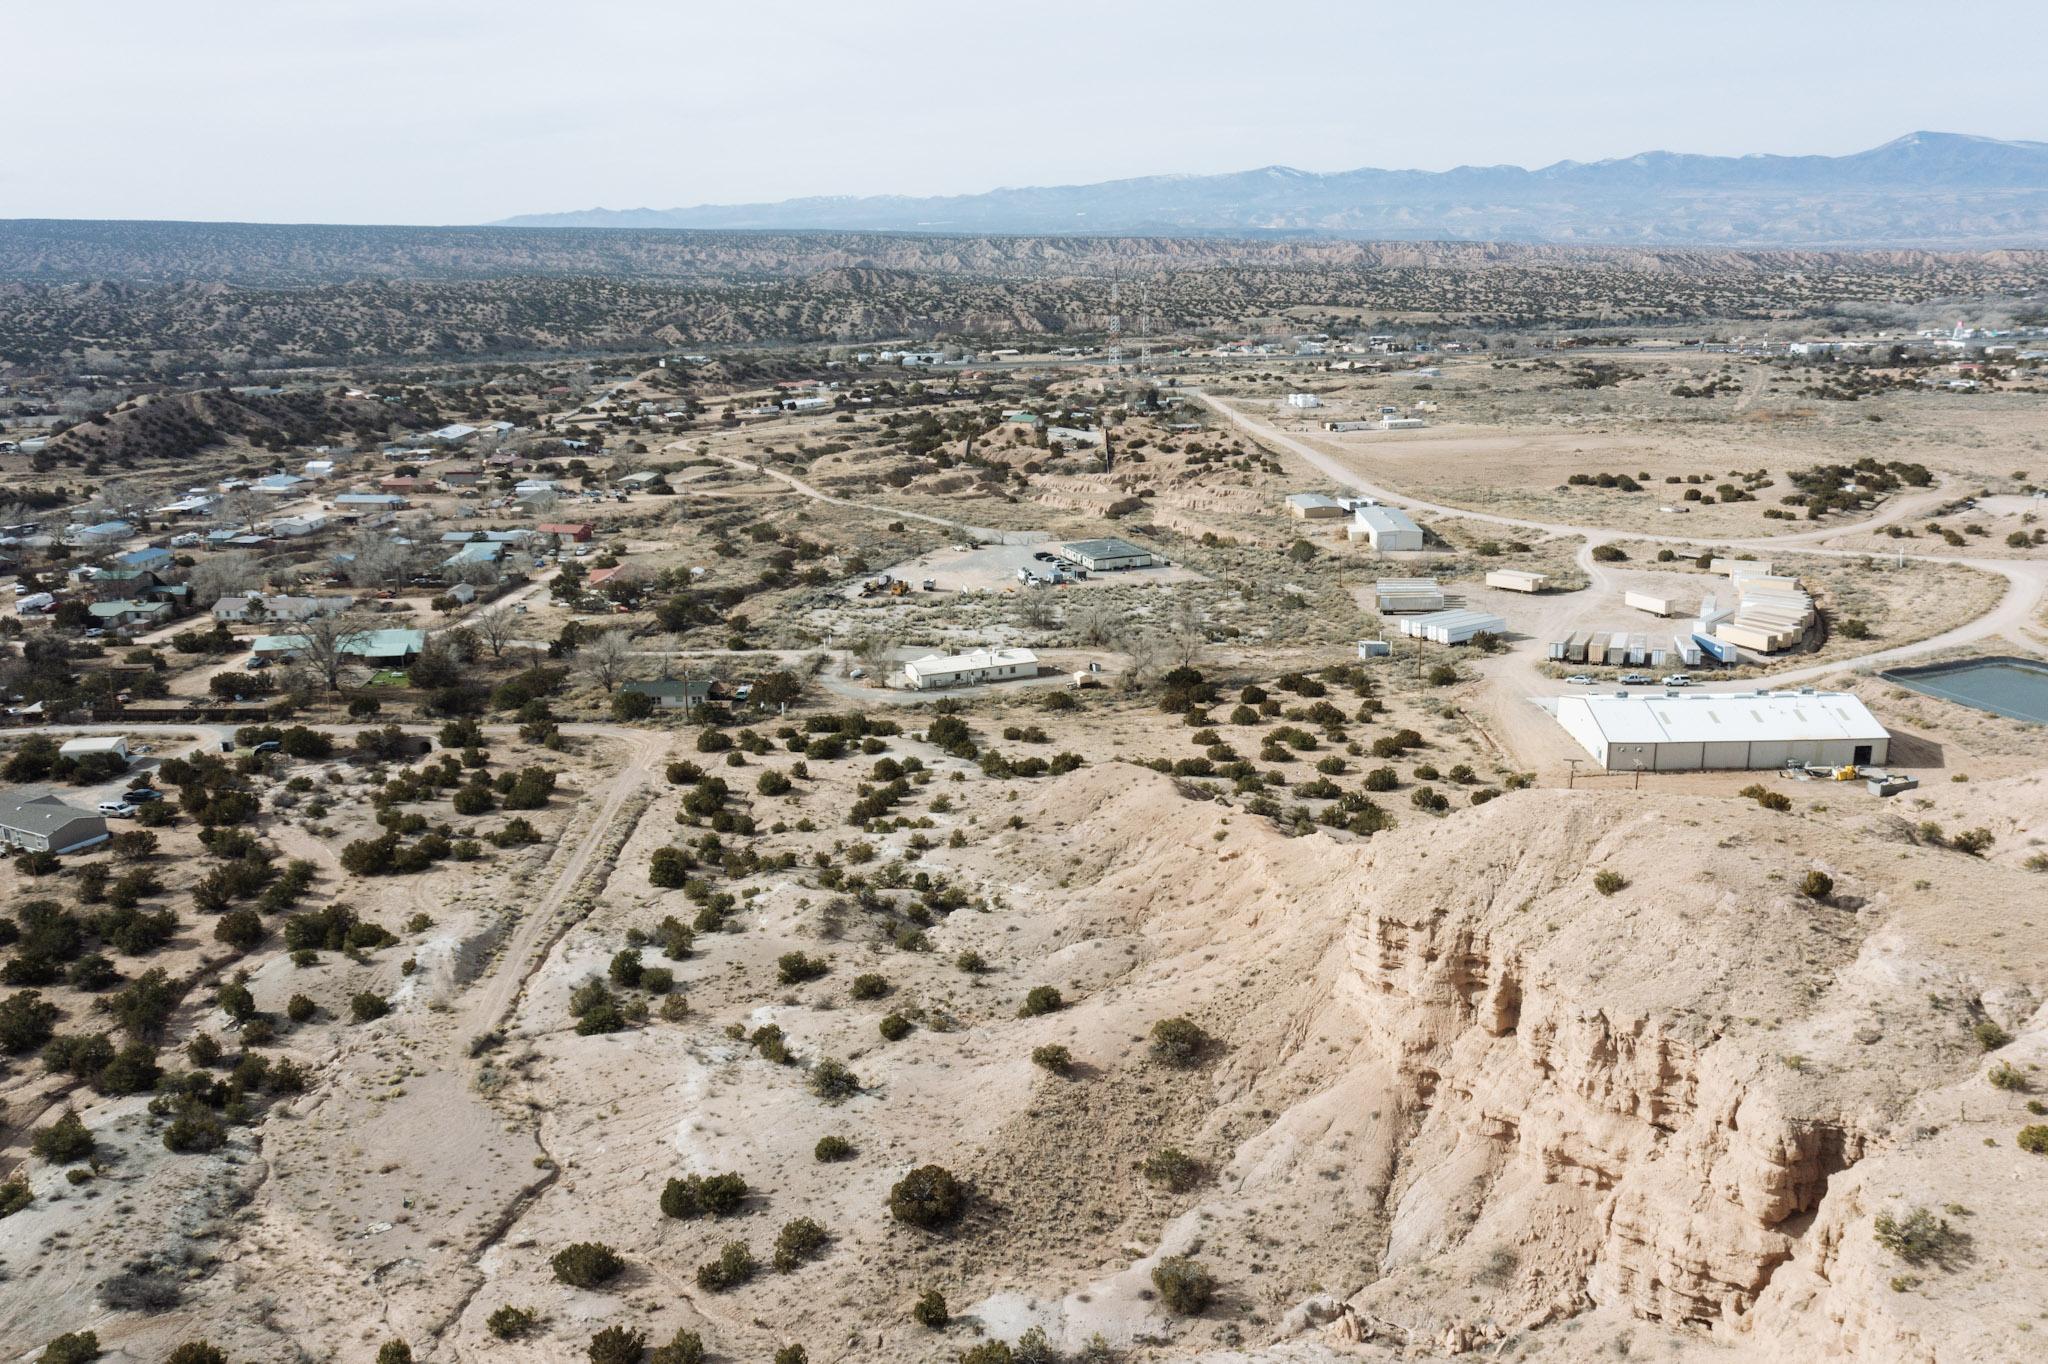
[[1517, 580], [1385, 528], [1313, 507], [92, 745]]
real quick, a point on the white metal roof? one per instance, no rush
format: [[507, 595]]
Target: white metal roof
[[1452, 620], [968, 662], [1311, 500], [1384, 519], [1746, 717]]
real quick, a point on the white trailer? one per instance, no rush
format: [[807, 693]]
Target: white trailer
[[1643, 601]]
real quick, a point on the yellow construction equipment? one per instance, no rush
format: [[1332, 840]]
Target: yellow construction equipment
[[1845, 773]]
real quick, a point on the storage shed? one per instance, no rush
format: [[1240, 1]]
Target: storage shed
[[1687, 732], [1314, 507], [1385, 528], [91, 745]]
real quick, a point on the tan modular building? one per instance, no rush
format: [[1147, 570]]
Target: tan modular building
[[1684, 733], [1314, 507], [1517, 580], [47, 824]]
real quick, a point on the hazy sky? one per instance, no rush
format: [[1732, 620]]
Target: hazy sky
[[446, 111]]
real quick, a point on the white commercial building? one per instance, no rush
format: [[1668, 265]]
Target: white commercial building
[[1303, 400], [1682, 733], [1452, 627], [1397, 595], [1104, 555], [1385, 528], [964, 670]]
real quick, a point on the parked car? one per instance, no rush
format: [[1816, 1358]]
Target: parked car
[[1582, 679], [1678, 680], [257, 665], [142, 795], [1635, 679], [119, 809], [267, 746]]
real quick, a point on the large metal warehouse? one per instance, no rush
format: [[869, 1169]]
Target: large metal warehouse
[[1674, 733]]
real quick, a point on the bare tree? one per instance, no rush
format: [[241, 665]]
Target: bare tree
[[374, 561], [242, 508], [1185, 637], [1144, 649], [328, 643], [874, 650], [494, 628], [605, 658], [226, 575], [1034, 609], [1096, 622]]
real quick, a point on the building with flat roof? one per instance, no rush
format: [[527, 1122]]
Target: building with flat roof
[[1313, 507], [1103, 555], [964, 670], [1687, 732], [1385, 528], [47, 824]]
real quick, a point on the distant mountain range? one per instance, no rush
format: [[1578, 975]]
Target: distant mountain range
[[1924, 189]]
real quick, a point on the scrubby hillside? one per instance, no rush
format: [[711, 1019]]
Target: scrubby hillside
[[159, 429], [1569, 1074]]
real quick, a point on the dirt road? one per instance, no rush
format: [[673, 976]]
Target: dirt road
[[1527, 733]]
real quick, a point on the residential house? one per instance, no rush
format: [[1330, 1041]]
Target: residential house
[[47, 824], [257, 606], [672, 694], [127, 614], [578, 532], [385, 648]]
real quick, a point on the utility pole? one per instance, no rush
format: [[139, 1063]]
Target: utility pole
[[1572, 778]]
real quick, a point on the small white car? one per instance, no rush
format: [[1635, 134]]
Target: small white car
[[120, 809], [1582, 679], [1678, 680]]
